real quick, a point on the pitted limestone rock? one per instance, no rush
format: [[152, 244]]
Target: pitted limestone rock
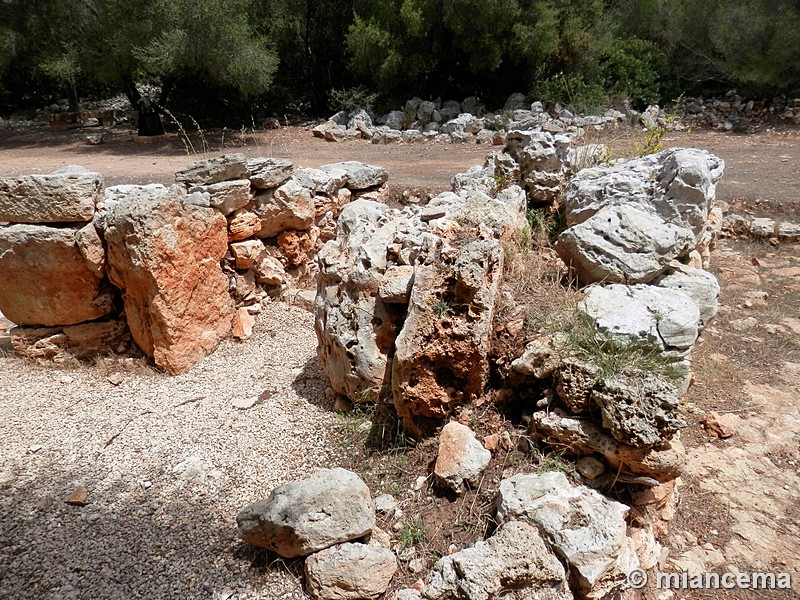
[[622, 244], [643, 316], [513, 564], [585, 528], [330, 507], [678, 185]]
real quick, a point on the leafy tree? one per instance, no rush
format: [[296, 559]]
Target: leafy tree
[[118, 43], [472, 46]]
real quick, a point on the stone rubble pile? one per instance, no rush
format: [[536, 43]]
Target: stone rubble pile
[[640, 232], [406, 297], [761, 227], [555, 540], [404, 315], [88, 269], [454, 122], [732, 112]]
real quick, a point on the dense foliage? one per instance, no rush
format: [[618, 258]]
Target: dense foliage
[[243, 59]]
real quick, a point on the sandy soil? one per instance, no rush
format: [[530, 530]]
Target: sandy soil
[[121, 160]]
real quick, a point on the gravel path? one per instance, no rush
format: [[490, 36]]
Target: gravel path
[[167, 463]]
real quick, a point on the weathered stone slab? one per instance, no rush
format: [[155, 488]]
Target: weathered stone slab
[[45, 279], [164, 255], [68, 195]]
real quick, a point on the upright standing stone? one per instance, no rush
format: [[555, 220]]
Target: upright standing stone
[[164, 255]]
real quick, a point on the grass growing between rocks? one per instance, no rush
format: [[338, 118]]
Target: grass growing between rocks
[[430, 523], [610, 358]]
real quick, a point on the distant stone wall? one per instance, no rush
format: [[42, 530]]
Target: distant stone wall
[[87, 269]]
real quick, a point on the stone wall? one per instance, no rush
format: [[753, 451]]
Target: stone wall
[[88, 269]]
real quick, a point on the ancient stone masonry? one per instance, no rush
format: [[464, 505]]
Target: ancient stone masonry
[[405, 311], [88, 269], [453, 122], [406, 298]]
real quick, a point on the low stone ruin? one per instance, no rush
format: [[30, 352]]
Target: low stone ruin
[[86, 268], [454, 122], [406, 309]]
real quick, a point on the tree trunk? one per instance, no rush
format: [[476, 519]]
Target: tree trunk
[[72, 96], [149, 119]]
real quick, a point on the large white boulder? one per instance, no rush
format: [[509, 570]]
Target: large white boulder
[[643, 316], [622, 244], [584, 527], [678, 185]]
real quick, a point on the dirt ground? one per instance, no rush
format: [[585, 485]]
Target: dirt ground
[[120, 160], [738, 499]]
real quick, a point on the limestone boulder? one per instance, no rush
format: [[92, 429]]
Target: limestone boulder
[[330, 507], [91, 248], [268, 172], [638, 408], [226, 196], [513, 564], [539, 360], [247, 253], [461, 457], [678, 185], [296, 246], [355, 328], [360, 176], [350, 572], [643, 316], [214, 170], [395, 286], [441, 352], [700, 285], [45, 278], [578, 436], [584, 527], [317, 181], [165, 256], [463, 124], [68, 195], [269, 271], [622, 244], [544, 161], [243, 224], [503, 214], [358, 116], [291, 206], [394, 120]]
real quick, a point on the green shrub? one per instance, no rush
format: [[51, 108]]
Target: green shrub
[[632, 70], [351, 99], [573, 91]]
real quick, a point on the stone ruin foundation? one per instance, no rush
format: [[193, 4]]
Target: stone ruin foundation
[[405, 307]]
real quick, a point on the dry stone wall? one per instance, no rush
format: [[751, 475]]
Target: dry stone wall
[[172, 270]]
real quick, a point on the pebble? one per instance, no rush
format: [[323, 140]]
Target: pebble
[[78, 497], [244, 403], [419, 483]]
